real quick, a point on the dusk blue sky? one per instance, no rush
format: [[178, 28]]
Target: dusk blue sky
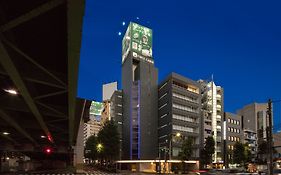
[[239, 42]]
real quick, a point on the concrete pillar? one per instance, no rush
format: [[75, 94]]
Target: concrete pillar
[[79, 148]]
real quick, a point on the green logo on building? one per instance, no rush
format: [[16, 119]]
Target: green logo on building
[[137, 39]]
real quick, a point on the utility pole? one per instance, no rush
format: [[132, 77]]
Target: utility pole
[[269, 138]]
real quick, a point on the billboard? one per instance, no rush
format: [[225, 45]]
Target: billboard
[[137, 39], [96, 108]]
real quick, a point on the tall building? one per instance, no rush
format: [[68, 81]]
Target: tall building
[[233, 132], [116, 111], [179, 111], [107, 90], [212, 112], [140, 95]]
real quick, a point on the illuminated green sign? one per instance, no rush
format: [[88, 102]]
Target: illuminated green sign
[[96, 108], [137, 39]]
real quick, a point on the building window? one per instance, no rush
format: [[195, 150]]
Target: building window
[[162, 126], [183, 97], [163, 96], [183, 128], [183, 118], [164, 115], [163, 85], [163, 106], [184, 108]]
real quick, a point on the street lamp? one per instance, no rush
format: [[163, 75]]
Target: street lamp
[[178, 135], [99, 147]]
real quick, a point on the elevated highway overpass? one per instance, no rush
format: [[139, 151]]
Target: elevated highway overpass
[[40, 44]]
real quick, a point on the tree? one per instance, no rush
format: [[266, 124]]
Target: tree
[[208, 151], [186, 151], [90, 150], [108, 138], [248, 154], [239, 153]]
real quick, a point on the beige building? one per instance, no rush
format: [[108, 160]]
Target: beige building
[[92, 127], [254, 123], [105, 115]]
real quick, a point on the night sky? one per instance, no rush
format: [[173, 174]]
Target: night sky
[[239, 42]]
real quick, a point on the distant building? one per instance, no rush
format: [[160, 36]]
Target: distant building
[[179, 111], [92, 127], [277, 143], [254, 118], [108, 90], [234, 133], [254, 124], [212, 111], [105, 114], [250, 138], [116, 111]]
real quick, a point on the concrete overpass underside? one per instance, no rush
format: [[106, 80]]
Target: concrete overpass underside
[[40, 44]]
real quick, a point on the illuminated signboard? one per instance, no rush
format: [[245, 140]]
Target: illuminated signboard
[[96, 108], [137, 39]]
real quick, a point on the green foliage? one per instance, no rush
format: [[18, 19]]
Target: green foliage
[[186, 149], [90, 148], [208, 151], [239, 156], [247, 153], [109, 138]]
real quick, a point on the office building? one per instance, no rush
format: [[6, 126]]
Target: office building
[[212, 112], [232, 133], [107, 90], [254, 124], [254, 118], [140, 95], [116, 111], [179, 111]]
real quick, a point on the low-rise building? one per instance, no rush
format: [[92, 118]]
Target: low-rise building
[[233, 133]]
